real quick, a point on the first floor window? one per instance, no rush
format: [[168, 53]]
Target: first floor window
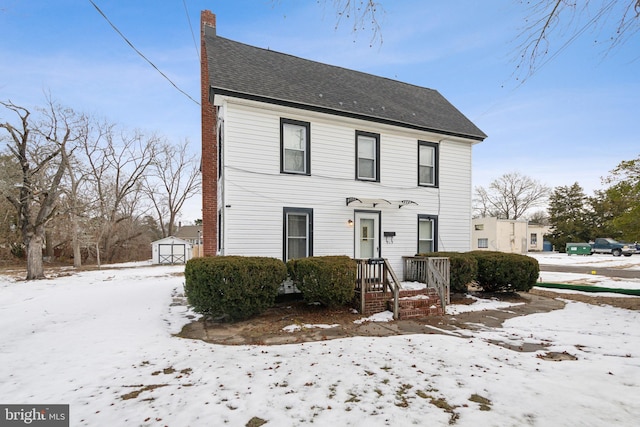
[[427, 233], [298, 233], [295, 147], [483, 243], [534, 239], [220, 232]]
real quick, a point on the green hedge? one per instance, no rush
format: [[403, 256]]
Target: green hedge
[[502, 272], [329, 280], [234, 287], [463, 269]]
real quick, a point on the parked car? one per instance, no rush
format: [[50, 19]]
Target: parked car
[[610, 246]]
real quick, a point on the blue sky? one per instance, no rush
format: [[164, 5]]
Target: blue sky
[[574, 120]]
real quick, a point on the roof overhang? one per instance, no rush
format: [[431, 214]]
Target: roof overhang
[[217, 95], [377, 202]]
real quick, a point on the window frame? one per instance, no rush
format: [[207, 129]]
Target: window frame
[[285, 235], [434, 237], [220, 142], [436, 162], [307, 154], [220, 230], [376, 167]]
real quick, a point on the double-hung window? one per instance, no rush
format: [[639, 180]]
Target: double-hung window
[[220, 141], [295, 147], [427, 164], [298, 233], [427, 233], [367, 156]]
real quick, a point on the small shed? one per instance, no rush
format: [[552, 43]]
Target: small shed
[[171, 250]]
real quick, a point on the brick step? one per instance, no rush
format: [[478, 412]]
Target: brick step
[[414, 313], [414, 302], [411, 304], [417, 303]]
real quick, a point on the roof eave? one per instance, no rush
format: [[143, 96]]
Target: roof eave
[[286, 103]]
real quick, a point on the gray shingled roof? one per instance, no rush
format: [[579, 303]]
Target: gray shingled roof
[[250, 72]]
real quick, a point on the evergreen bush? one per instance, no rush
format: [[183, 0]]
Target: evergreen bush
[[463, 269], [503, 272], [233, 287], [329, 280]]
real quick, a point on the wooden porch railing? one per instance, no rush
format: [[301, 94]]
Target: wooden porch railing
[[433, 271], [376, 275]]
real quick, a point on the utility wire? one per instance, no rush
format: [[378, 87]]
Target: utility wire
[[193, 36], [140, 53]]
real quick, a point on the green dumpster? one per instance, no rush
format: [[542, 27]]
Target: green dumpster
[[578, 249]]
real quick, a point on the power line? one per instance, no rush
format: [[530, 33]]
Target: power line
[[141, 54], [193, 36]]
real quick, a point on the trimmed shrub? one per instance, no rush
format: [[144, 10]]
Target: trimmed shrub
[[463, 269], [329, 280], [502, 272], [234, 287]]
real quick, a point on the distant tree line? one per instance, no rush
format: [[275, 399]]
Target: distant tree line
[[81, 188], [611, 212], [572, 215]]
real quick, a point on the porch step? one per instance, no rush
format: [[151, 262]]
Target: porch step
[[417, 303]]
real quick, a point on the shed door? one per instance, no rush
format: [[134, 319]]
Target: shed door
[[172, 254]]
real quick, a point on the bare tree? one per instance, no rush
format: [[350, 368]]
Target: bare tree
[[117, 163], [173, 178], [362, 15], [569, 20], [540, 217], [77, 192], [10, 240], [510, 196], [37, 148]]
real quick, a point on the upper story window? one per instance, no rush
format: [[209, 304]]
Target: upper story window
[[220, 142], [295, 147], [427, 164], [367, 156]]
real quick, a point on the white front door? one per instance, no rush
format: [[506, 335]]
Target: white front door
[[367, 235]]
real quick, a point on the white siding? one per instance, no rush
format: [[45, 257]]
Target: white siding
[[255, 191]]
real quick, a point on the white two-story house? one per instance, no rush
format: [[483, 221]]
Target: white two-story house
[[305, 159]]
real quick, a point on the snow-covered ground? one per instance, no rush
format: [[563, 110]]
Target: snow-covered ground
[[593, 262], [102, 342]]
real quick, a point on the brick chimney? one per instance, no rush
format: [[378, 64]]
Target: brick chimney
[[209, 163]]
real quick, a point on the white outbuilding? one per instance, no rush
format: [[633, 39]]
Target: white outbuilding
[[171, 250]]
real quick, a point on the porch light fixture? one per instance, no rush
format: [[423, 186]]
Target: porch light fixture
[[350, 223]]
